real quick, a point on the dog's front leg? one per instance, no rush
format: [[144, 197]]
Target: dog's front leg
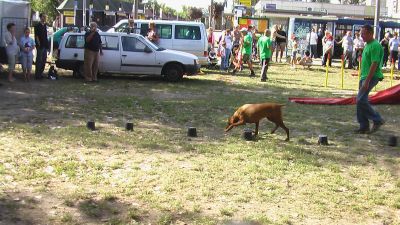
[[240, 122], [256, 131]]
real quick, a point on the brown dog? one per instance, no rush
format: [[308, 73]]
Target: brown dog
[[253, 113]]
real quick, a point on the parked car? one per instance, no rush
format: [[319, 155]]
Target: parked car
[[190, 37], [57, 36], [127, 54]]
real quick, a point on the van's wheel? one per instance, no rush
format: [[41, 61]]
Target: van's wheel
[[78, 71], [173, 73]]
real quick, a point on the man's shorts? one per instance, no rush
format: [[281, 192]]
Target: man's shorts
[[12, 59], [246, 58]]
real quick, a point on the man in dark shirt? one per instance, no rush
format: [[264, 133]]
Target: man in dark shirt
[[280, 43], [42, 45], [92, 48]]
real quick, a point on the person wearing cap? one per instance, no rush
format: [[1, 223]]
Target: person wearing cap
[[246, 44]]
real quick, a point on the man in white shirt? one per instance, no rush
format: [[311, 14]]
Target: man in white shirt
[[313, 41], [358, 48], [347, 44]]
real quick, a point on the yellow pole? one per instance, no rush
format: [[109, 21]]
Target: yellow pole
[[327, 71], [391, 74], [359, 67], [342, 70]]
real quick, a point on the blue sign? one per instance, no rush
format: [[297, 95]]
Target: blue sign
[[269, 7]]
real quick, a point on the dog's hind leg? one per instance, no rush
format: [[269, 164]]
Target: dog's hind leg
[[286, 130], [275, 128]]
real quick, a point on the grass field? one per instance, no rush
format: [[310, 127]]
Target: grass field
[[55, 171]]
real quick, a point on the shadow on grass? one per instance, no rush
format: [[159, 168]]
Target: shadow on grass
[[20, 209]]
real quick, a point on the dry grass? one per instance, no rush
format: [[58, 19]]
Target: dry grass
[[54, 171]]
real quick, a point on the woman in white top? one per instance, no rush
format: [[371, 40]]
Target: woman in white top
[[12, 50], [394, 48]]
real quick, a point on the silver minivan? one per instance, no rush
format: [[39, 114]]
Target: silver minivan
[[190, 37]]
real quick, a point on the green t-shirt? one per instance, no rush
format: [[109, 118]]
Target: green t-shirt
[[247, 42], [372, 52], [264, 47]]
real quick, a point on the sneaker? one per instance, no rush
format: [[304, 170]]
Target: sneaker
[[233, 72], [263, 80], [361, 131], [376, 126]]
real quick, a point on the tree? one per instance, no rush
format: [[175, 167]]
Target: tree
[[352, 2], [184, 13], [218, 9], [195, 13], [47, 6]]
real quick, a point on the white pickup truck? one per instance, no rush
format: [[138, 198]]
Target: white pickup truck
[[127, 54]]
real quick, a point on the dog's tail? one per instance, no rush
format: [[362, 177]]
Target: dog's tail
[[281, 105]]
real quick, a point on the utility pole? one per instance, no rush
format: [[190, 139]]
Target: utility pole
[[210, 22], [376, 21], [135, 9], [84, 13]]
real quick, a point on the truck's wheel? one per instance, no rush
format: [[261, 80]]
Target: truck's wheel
[[173, 72], [78, 71]]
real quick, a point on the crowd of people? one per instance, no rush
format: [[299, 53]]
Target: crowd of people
[[235, 47], [246, 46], [22, 50]]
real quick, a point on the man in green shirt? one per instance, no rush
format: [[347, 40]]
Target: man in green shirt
[[371, 74], [246, 44], [264, 46]]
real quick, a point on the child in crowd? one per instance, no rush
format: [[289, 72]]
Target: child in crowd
[[306, 61], [294, 44], [236, 57], [27, 44], [222, 53]]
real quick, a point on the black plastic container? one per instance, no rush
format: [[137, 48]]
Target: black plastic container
[[392, 141], [129, 126], [248, 134], [91, 125], [192, 132], [323, 139]]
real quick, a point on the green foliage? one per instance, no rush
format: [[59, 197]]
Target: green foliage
[[352, 2], [322, 1], [195, 13], [47, 6]]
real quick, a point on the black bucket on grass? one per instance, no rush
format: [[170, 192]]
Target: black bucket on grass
[[248, 134], [192, 132], [91, 125], [323, 139], [129, 126], [392, 141]]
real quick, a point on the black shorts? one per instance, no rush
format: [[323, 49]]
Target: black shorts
[[393, 56], [246, 58]]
